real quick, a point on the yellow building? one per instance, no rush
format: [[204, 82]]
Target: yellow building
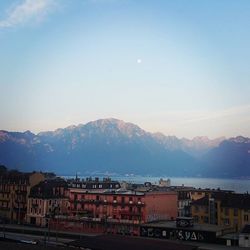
[[223, 209], [14, 191], [46, 200]]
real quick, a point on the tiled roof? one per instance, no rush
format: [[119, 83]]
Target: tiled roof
[[201, 202], [229, 200], [14, 177], [49, 189], [233, 200]]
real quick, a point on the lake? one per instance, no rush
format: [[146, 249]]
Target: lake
[[237, 185]]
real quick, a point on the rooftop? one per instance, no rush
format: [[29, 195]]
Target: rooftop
[[108, 191], [49, 189], [232, 200]]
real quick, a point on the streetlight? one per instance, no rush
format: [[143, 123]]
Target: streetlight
[[3, 228], [47, 217]]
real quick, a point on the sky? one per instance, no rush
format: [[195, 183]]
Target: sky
[[180, 67]]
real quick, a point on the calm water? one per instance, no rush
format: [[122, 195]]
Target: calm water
[[240, 186]]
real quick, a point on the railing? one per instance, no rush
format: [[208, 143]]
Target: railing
[[114, 202], [127, 212], [97, 220]]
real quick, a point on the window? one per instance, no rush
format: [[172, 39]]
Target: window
[[123, 202], [235, 212], [196, 218], [245, 217], [206, 219], [226, 221], [206, 209], [226, 211]]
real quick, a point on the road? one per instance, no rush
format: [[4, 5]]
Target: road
[[36, 238]]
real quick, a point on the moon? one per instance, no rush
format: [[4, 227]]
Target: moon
[[139, 61]]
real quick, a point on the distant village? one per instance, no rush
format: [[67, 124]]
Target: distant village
[[106, 206]]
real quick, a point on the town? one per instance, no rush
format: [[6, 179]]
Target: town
[[108, 207]]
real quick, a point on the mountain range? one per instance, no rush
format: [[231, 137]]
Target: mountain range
[[115, 146]]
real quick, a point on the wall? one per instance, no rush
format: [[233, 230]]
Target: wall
[[160, 206]]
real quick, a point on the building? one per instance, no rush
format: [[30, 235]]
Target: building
[[223, 209], [93, 183], [184, 200], [14, 191], [47, 200], [244, 236], [123, 205], [117, 211], [164, 183], [188, 194], [171, 230]]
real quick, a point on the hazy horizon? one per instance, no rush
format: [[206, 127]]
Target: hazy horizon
[[176, 67]]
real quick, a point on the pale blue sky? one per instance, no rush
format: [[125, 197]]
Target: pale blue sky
[[181, 67]]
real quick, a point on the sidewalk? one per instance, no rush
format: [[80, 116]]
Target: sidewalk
[[207, 246]]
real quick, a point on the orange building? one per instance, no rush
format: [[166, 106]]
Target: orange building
[[14, 191]]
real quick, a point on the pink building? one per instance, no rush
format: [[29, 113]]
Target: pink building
[[116, 211]]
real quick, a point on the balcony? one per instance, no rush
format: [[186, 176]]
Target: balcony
[[127, 212], [106, 202], [21, 192], [20, 201], [21, 209]]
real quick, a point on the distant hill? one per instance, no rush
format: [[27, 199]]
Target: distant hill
[[114, 146], [230, 158]]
